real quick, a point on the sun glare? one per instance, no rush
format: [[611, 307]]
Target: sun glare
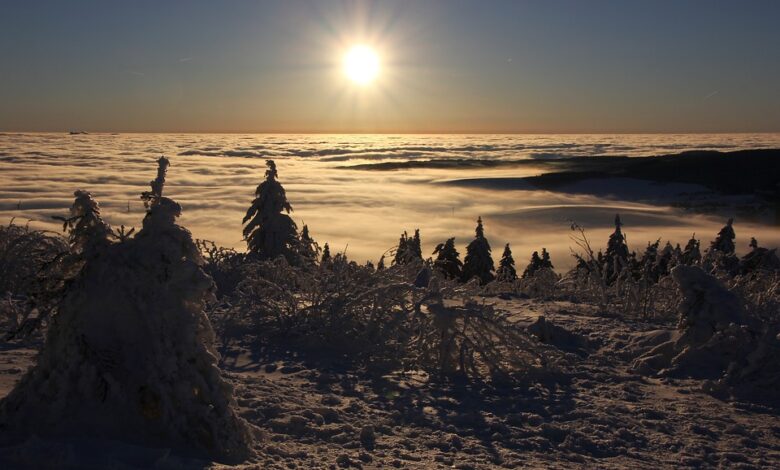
[[361, 65]]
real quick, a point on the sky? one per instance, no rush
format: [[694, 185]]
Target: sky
[[446, 66]]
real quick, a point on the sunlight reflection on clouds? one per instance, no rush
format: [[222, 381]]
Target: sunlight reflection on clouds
[[365, 210]]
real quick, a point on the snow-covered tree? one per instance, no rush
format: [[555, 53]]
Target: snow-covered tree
[[326, 258], [724, 242], [409, 248], [691, 253], [402, 251], [448, 260], [415, 245], [478, 261], [130, 354], [506, 267], [616, 256], [270, 232], [534, 265], [647, 264], [86, 228], [546, 262], [663, 262], [307, 248], [381, 264]]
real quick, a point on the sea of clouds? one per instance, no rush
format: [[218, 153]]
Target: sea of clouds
[[214, 176]]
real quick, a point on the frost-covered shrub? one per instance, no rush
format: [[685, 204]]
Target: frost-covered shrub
[[384, 320], [541, 283], [474, 342], [340, 306], [223, 265], [31, 277], [760, 292]]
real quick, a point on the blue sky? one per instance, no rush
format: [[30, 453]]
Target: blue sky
[[446, 66]]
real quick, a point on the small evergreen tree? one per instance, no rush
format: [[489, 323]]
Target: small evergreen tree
[[724, 242], [448, 260], [663, 262], [381, 264], [415, 245], [478, 262], [691, 254], [409, 248], [86, 229], [402, 252], [506, 267], [647, 264], [307, 248], [677, 256], [326, 258], [534, 265], [270, 231], [616, 257], [546, 263]]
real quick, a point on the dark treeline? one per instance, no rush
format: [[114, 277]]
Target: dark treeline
[[270, 233]]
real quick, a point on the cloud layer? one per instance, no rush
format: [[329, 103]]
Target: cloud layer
[[214, 177]]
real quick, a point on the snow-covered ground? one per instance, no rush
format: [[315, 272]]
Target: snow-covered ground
[[593, 413]]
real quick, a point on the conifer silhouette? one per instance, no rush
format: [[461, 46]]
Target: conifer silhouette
[[506, 267], [415, 245], [616, 256], [478, 261], [448, 260], [409, 248], [381, 264], [691, 253], [307, 248], [724, 242], [546, 263], [533, 266], [402, 252], [270, 232]]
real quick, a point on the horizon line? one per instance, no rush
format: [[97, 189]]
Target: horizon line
[[82, 132]]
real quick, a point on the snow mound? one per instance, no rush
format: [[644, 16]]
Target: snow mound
[[717, 341], [548, 332]]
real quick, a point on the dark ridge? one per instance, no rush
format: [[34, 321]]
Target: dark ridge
[[739, 172], [444, 163]]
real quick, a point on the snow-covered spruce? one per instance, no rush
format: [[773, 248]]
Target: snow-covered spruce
[[409, 249], [129, 356], [447, 260], [269, 230], [506, 267], [308, 249], [478, 261], [616, 256]]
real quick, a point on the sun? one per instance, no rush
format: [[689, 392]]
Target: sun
[[361, 65]]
